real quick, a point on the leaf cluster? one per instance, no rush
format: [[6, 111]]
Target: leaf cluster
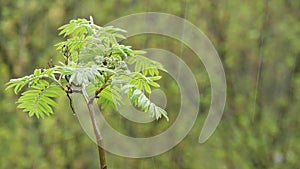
[[38, 100], [91, 56]]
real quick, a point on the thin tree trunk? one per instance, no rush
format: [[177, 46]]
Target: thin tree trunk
[[97, 132]]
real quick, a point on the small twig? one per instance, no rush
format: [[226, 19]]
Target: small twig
[[71, 104], [66, 53], [98, 91], [69, 91]]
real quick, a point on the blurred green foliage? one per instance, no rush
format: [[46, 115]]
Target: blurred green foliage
[[258, 44]]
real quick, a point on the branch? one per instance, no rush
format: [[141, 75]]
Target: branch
[[76, 91], [95, 126], [97, 92]]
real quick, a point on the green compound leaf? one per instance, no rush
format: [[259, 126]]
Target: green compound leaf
[[138, 99], [143, 83], [110, 97], [39, 102], [38, 74], [145, 65], [86, 75]]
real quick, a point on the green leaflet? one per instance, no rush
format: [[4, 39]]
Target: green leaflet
[[39, 102]]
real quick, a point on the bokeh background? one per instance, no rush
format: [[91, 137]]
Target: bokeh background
[[258, 43]]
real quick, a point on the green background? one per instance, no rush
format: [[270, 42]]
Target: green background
[[258, 43]]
